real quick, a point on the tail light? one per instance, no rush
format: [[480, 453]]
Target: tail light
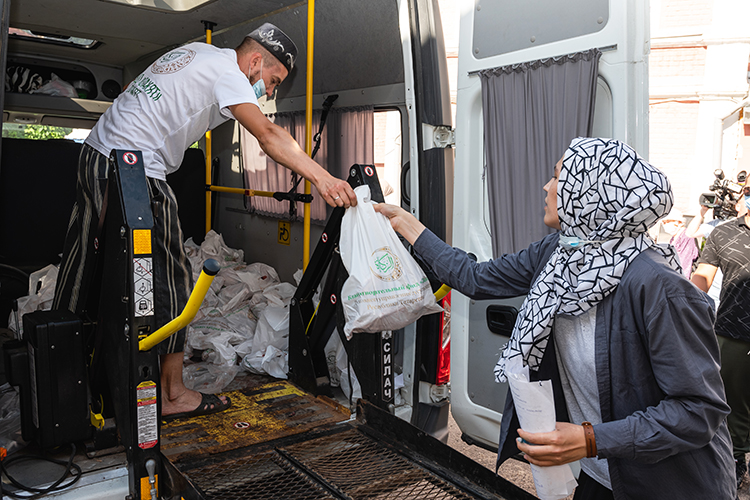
[[444, 351]]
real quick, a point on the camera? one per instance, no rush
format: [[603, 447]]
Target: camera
[[724, 195]]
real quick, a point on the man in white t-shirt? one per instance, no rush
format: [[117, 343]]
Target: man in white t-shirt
[[169, 106]]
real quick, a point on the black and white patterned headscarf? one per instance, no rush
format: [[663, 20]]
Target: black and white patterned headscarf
[[606, 194]]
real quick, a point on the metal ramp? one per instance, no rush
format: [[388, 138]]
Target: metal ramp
[[370, 458]]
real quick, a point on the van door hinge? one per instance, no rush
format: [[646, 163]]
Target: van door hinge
[[440, 136]]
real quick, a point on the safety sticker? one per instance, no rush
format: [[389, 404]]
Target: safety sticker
[[130, 158], [143, 286], [285, 233], [148, 429], [141, 241]]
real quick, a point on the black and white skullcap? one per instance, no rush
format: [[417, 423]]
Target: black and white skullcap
[[606, 194], [277, 43]]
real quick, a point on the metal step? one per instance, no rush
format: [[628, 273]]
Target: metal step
[[375, 457]]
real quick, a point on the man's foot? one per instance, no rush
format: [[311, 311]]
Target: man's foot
[[740, 468], [192, 403]]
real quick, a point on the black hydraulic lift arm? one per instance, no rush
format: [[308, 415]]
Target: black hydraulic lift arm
[[370, 354]]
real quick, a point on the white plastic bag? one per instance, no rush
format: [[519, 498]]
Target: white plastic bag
[[386, 288], [56, 86], [207, 377], [41, 294]]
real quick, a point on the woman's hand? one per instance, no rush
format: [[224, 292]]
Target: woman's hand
[[401, 221], [567, 443]]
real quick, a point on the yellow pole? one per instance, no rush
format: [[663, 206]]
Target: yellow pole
[[246, 192], [208, 154], [308, 127]]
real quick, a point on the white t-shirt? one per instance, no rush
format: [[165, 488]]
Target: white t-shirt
[[576, 360], [172, 104]]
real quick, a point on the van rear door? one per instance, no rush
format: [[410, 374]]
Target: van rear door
[[501, 33]]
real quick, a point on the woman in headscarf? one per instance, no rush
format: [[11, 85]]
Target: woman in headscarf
[[627, 342]]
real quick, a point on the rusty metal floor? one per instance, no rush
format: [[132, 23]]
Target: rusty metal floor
[[376, 456], [259, 413]]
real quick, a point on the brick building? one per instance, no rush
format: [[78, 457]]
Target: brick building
[[698, 87]]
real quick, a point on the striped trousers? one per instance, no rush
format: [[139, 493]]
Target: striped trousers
[[173, 279]]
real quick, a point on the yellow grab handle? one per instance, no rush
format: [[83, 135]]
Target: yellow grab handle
[[442, 292], [210, 269], [246, 192]]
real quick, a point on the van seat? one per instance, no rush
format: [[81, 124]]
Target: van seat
[[189, 186], [37, 192]]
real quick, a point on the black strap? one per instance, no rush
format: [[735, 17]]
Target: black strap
[[327, 105]]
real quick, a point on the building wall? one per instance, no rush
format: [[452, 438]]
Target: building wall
[[698, 80]]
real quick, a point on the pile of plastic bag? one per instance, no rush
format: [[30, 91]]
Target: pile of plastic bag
[[244, 319], [41, 293], [243, 323]]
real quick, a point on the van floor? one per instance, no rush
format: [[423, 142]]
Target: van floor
[[261, 411], [278, 442]]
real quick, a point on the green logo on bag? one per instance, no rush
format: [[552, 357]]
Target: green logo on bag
[[385, 265]]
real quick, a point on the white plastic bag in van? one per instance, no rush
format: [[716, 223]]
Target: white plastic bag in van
[[386, 288]]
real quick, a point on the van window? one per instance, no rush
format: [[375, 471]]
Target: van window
[[43, 132], [388, 152], [346, 139]]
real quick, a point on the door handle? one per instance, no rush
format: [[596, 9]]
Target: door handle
[[501, 319]]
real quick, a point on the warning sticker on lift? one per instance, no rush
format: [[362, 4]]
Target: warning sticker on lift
[[148, 429], [143, 286], [141, 241]]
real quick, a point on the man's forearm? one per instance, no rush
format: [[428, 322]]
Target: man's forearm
[[283, 149]]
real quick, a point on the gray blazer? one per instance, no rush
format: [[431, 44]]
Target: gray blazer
[[664, 431]]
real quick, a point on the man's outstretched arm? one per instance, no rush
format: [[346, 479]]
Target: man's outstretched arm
[[279, 145]]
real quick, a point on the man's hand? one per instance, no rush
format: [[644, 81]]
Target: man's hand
[[336, 192], [567, 443]]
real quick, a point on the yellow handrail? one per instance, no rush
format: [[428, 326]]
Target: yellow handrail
[[208, 155], [308, 127], [210, 269], [246, 192]]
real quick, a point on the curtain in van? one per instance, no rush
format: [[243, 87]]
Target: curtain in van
[[531, 113], [346, 139]]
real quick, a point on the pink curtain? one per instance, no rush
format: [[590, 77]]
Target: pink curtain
[[346, 139]]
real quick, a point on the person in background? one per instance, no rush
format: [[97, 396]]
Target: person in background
[[168, 107], [699, 229], [646, 407], [727, 249], [674, 225]]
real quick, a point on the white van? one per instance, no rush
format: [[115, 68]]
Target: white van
[[380, 67]]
